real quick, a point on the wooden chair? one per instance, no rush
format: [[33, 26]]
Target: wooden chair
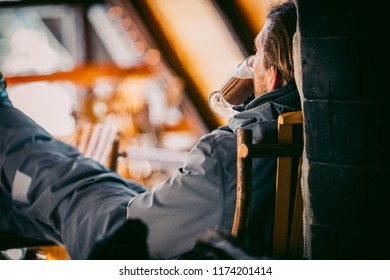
[[97, 141], [288, 225]]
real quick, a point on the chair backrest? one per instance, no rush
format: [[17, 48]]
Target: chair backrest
[[288, 226], [99, 142]]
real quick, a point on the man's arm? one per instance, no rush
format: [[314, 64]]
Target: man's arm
[[190, 202]]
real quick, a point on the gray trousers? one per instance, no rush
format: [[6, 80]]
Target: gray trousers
[[50, 191]]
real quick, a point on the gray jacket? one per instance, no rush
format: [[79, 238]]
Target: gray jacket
[[48, 190], [201, 194]]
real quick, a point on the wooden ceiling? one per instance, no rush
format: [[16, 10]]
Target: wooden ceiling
[[201, 41]]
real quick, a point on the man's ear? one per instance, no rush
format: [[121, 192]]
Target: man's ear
[[274, 79]]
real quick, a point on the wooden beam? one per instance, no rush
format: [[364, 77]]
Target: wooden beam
[[83, 74]]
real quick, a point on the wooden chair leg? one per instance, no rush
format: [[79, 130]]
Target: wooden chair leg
[[244, 185]]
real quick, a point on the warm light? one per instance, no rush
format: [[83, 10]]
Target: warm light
[[200, 39], [255, 11], [115, 13], [132, 34], [126, 23], [153, 57], [140, 47], [130, 93]]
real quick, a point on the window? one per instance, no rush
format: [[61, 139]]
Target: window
[[66, 65]]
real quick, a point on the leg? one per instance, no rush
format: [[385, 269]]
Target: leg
[[48, 190]]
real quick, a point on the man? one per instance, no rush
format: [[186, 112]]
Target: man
[[48, 190]]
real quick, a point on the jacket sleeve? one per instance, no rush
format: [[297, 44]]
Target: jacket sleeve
[[50, 191], [190, 202]]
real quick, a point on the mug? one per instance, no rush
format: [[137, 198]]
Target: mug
[[234, 91]]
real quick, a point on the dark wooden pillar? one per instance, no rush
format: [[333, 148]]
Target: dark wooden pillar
[[341, 54]]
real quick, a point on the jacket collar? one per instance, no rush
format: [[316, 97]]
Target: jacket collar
[[267, 108], [282, 94]]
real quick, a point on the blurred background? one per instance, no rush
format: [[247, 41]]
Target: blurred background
[[144, 67]]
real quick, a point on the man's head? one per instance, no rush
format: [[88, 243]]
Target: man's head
[[273, 65]]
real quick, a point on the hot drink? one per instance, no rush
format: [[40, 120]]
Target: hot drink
[[237, 90]]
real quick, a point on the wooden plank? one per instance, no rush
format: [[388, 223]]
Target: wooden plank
[[295, 117], [83, 74]]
